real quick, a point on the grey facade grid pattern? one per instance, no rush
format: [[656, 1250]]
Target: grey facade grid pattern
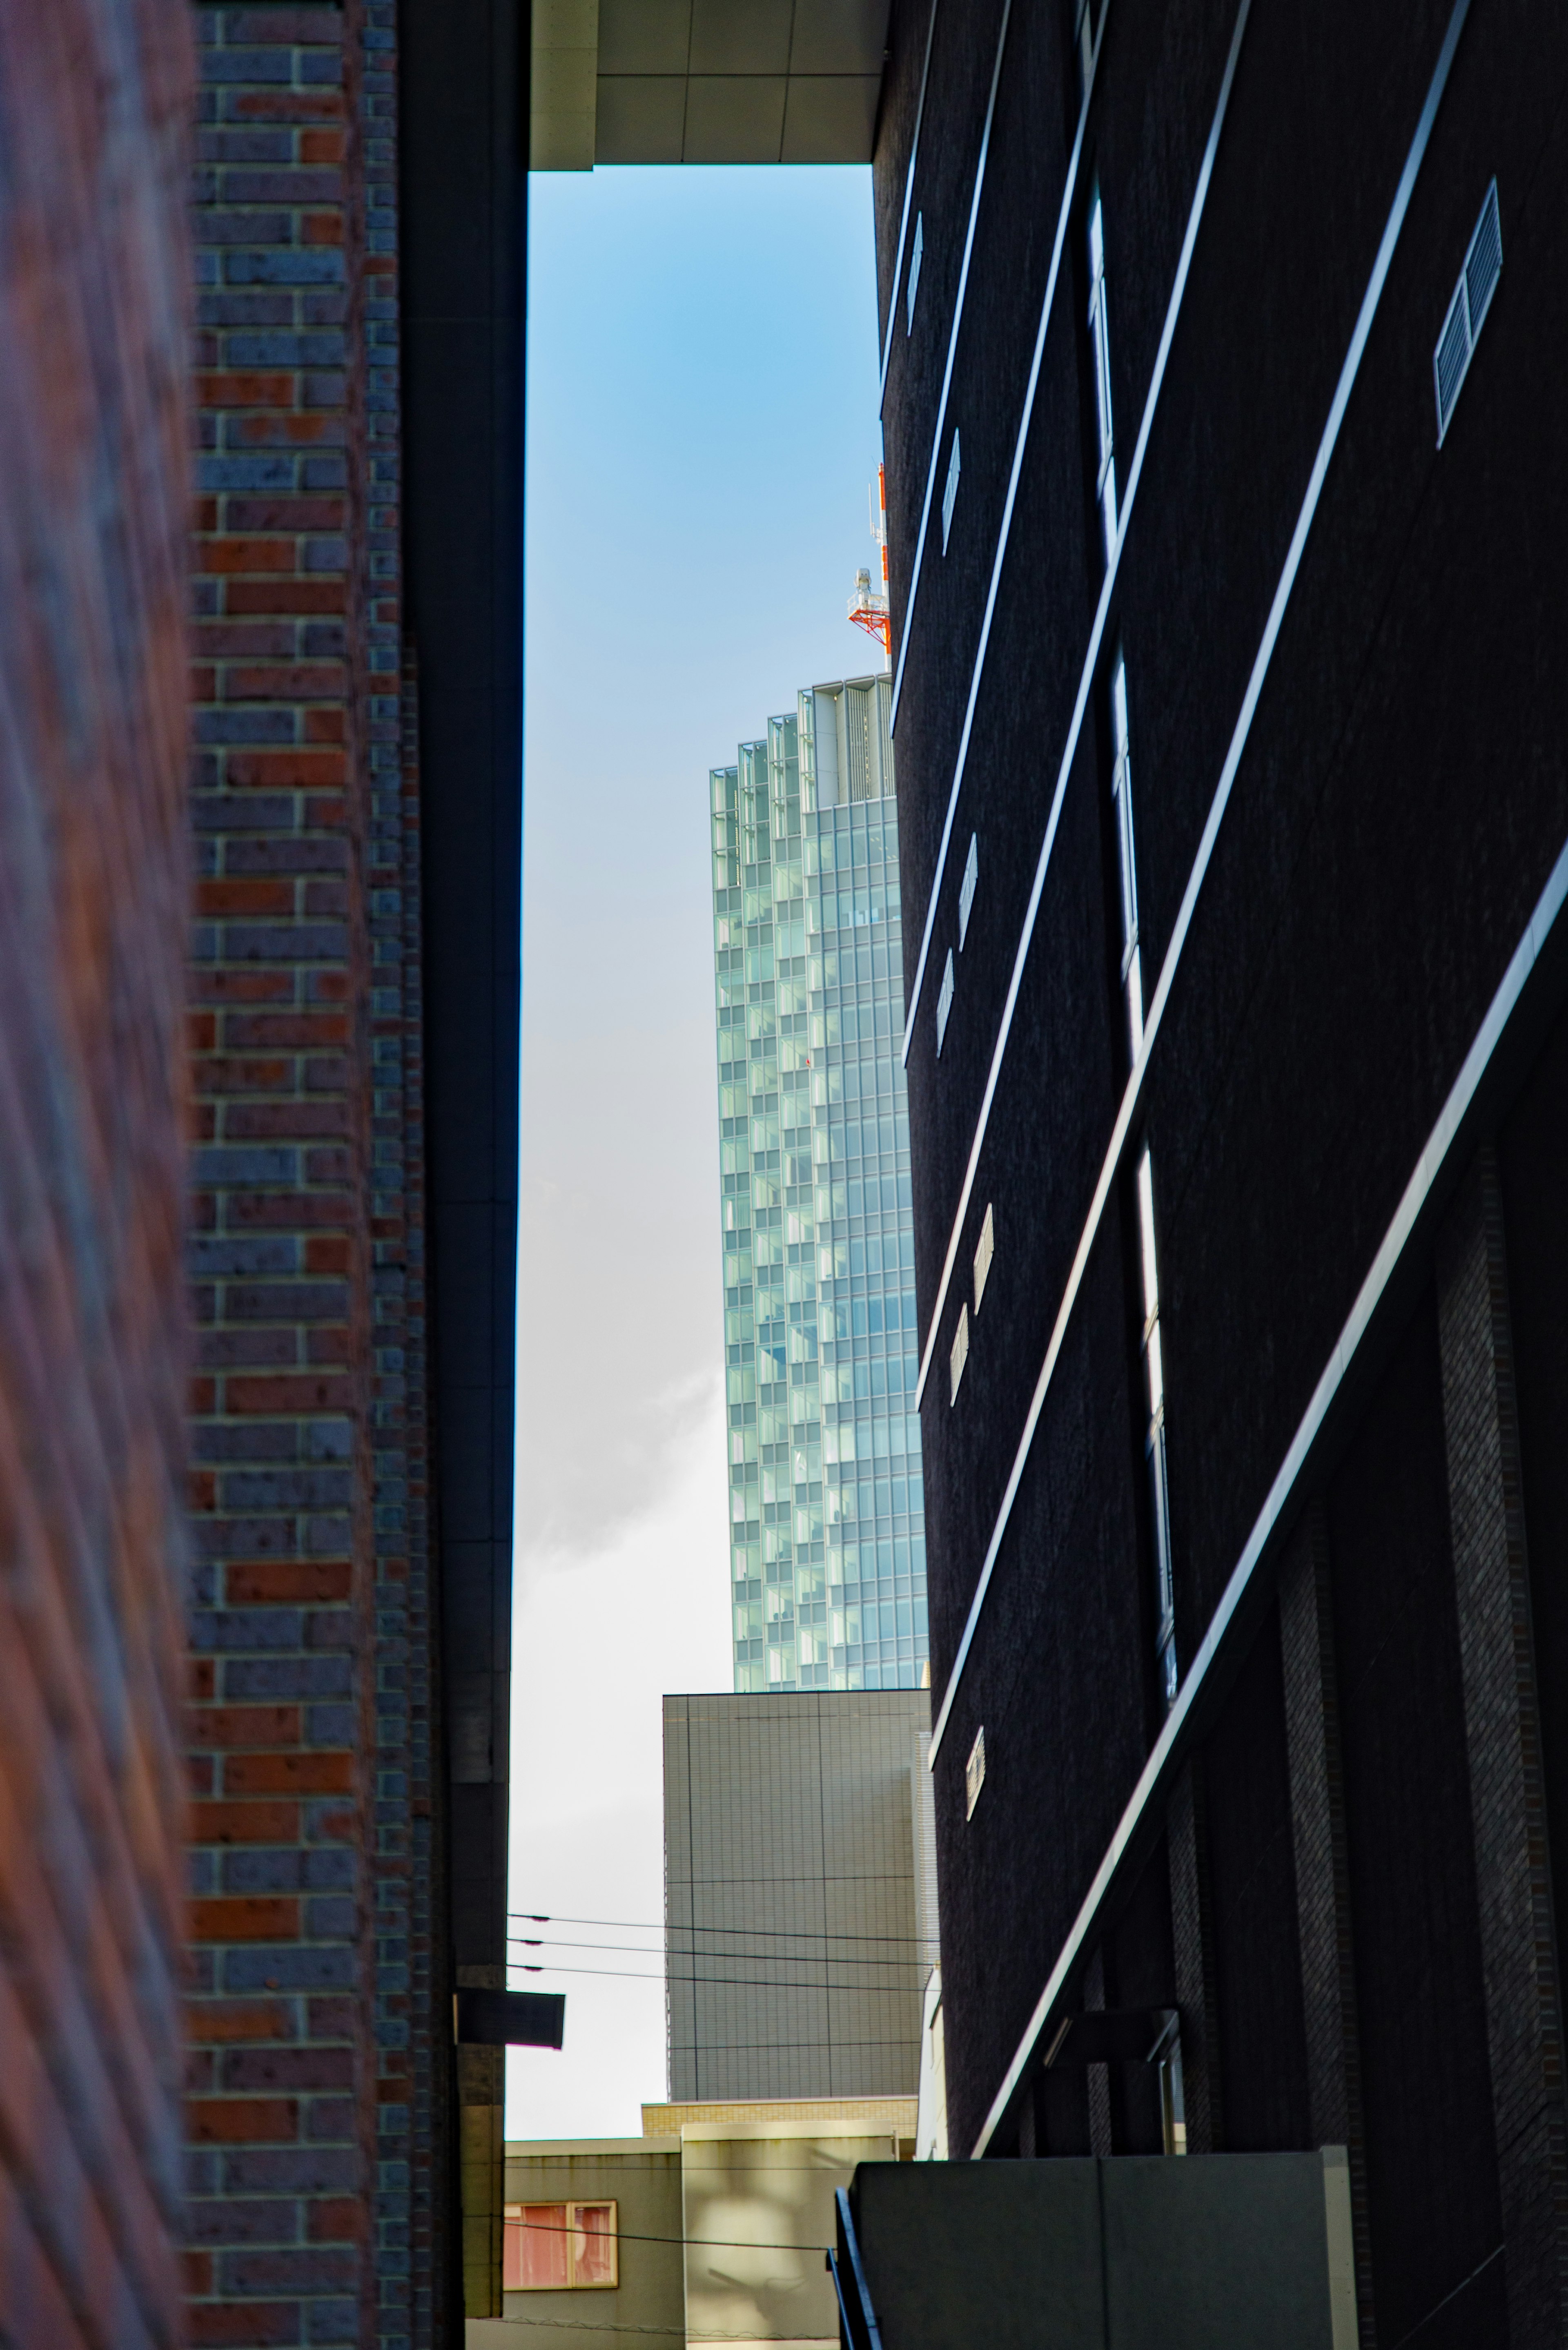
[[791, 1925]]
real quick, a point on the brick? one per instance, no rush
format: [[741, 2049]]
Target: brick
[[244, 2121], [229, 2220], [244, 2325], [277, 769], [317, 1391], [237, 1726], [272, 1774], [298, 2070], [240, 1822], [245, 1918], [253, 554], [292, 1581], [222, 2022]]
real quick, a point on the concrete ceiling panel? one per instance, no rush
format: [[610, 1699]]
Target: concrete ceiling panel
[[837, 36], [741, 37], [641, 118], [734, 118], [644, 37], [830, 118]]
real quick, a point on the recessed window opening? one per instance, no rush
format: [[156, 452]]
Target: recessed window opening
[[983, 1254], [559, 2247], [912, 288], [1100, 337], [1154, 1439], [950, 493], [1166, 2055], [960, 1355], [974, 1775], [1472, 300], [1126, 853], [944, 1001], [966, 893]]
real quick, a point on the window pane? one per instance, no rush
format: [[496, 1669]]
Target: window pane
[[594, 2243], [543, 2241], [512, 2250]]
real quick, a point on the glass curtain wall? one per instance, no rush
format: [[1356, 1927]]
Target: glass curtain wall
[[827, 1528]]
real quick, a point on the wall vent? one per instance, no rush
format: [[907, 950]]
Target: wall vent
[[966, 894], [1472, 299], [950, 493], [974, 1775], [944, 1002], [914, 251]]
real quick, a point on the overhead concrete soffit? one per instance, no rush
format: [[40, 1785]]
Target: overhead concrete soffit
[[704, 81]]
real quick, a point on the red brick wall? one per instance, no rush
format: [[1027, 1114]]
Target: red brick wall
[[316, 2105], [94, 115]]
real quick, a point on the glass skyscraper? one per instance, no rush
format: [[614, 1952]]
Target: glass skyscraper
[[827, 1529]]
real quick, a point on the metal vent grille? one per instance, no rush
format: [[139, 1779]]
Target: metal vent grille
[[1467, 311]]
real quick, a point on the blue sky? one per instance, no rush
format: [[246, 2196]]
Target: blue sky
[[701, 430]]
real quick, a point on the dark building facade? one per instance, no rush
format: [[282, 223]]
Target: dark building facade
[[1227, 502]]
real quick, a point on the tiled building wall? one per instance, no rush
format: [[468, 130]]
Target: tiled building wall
[[794, 1965], [94, 299], [312, 2103]]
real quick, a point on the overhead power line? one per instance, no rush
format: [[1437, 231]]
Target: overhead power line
[[631, 2236], [752, 1933], [767, 1957], [715, 1983]]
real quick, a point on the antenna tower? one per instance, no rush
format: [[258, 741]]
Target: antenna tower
[[868, 610]]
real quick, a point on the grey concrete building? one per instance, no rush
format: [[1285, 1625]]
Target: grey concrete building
[[799, 1924]]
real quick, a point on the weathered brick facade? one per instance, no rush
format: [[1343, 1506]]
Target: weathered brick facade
[[93, 302], [316, 2125]]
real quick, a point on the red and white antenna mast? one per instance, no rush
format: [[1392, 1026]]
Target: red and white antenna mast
[[868, 609]]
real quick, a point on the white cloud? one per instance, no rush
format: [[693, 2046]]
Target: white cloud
[[601, 1632]]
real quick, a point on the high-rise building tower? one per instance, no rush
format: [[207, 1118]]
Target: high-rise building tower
[[827, 1526]]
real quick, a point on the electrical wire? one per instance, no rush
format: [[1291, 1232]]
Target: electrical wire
[[631, 2236], [752, 1933], [674, 2334], [718, 1982], [768, 1957]]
